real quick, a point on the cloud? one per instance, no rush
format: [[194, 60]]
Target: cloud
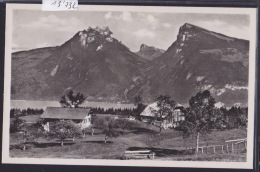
[[53, 22], [151, 19], [167, 25], [144, 33], [108, 15], [126, 16]]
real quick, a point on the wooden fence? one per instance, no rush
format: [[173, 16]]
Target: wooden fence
[[230, 146], [234, 145]]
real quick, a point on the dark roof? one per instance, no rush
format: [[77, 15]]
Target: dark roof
[[65, 113]]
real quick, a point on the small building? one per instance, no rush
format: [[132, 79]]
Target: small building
[[80, 116], [169, 120]]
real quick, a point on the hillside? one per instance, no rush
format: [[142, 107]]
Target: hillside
[[199, 59], [92, 62]]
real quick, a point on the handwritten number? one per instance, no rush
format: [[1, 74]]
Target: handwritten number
[[53, 3], [74, 5], [59, 3], [69, 5]]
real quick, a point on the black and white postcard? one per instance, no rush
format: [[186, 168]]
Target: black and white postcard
[[130, 86]]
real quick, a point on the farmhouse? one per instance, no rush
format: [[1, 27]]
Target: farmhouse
[[170, 120], [79, 115]]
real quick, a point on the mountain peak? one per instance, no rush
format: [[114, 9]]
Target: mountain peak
[[101, 30], [193, 63], [149, 52], [144, 47], [94, 34], [189, 31], [188, 26]]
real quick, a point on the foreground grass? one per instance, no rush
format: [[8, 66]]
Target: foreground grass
[[210, 157], [168, 145]]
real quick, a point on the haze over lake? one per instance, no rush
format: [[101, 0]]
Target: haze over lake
[[24, 104]]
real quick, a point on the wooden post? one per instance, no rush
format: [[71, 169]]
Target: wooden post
[[153, 155], [222, 149], [214, 150], [202, 150], [227, 148], [232, 147], [245, 144], [197, 143]]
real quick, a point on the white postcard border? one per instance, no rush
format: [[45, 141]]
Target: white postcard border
[[196, 164]]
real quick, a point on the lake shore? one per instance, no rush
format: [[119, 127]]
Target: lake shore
[[38, 104]]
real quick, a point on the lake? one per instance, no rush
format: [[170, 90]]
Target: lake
[[24, 104]]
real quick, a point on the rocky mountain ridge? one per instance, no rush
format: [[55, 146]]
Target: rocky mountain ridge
[[199, 59], [149, 52], [101, 67], [92, 62]]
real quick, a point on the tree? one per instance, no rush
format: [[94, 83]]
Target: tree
[[124, 123], [75, 131], [235, 117], [109, 130], [15, 113], [137, 100], [71, 100], [139, 105], [106, 124], [30, 132], [165, 107], [201, 116], [17, 124], [64, 129]]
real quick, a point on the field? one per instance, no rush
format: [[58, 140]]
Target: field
[[168, 145]]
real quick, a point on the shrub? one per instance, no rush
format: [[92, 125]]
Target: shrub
[[16, 125]]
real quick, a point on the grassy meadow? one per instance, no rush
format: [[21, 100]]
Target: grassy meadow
[[167, 145]]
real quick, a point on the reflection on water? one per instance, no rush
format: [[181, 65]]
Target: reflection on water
[[24, 104]]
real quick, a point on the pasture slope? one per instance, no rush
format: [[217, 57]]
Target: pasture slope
[[168, 145]]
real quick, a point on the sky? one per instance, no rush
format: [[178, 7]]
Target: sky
[[35, 29]]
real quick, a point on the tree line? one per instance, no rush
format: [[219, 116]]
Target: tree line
[[25, 112], [95, 110], [113, 111]]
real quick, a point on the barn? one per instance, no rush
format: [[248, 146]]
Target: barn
[[170, 120], [79, 115]]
